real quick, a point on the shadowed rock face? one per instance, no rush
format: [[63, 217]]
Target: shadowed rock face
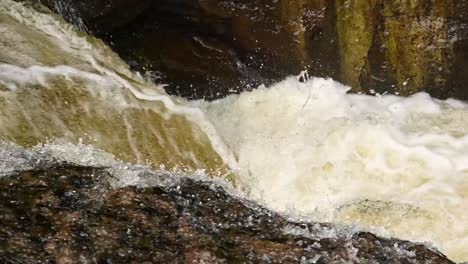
[[458, 24], [207, 49], [71, 214], [210, 48], [99, 16]]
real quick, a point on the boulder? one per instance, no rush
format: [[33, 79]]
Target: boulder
[[65, 213]]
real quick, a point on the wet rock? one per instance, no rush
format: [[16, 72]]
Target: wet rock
[[412, 49], [210, 48], [193, 65], [458, 32], [99, 16], [71, 214]]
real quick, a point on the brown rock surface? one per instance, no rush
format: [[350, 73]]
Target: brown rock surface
[[210, 48], [70, 214]]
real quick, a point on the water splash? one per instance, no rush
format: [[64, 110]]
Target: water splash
[[391, 164], [305, 147]]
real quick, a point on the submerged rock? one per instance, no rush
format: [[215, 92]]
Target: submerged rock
[[70, 214]]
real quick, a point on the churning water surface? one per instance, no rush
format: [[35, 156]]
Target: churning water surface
[[393, 165]]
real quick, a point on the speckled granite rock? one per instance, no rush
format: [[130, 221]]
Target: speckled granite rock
[[71, 214]]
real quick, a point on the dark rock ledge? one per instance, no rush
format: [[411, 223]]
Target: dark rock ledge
[[212, 48], [71, 214]]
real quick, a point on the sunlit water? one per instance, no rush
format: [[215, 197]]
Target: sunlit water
[[396, 166]]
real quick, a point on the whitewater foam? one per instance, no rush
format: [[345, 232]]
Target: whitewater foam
[[397, 166], [390, 164]]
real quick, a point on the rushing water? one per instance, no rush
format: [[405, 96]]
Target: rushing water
[[396, 166]]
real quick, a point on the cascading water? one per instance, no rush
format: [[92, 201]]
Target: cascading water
[[396, 166], [58, 84]]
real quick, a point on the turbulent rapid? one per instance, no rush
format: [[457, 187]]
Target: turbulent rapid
[[393, 165], [398, 166]]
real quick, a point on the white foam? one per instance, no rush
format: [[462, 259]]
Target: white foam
[[394, 165], [314, 148]]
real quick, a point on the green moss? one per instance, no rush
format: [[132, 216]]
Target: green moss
[[416, 39], [408, 39], [355, 25]]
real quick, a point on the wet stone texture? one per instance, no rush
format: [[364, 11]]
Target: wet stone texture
[[70, 214], [211, 48]]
